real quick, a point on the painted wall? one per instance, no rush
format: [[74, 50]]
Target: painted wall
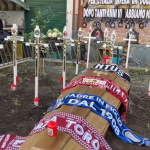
[[53, 11], [16, 17], [69, 18]]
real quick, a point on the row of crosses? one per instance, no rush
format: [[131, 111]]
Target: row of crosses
[[105, 43], [79, 42], [110, 43], [66, 42]]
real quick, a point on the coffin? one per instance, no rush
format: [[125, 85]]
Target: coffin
[[64, 141]]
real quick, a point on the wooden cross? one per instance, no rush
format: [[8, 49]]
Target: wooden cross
[[99, 73], [105, 42], [89, 45], [129, 43], [64, 44], [110, 43], [37, 46], [105, 37], [14, 38], [79, 42], [113, 38]]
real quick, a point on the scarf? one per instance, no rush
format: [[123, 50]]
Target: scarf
[[113, 68], [109, 85], [106, 111], [11, 142], [80, 130]]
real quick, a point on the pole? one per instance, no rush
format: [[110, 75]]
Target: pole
[[79, 41], [127, 60], [65, 34], [88, 54], [117, 55], [78, 50], [14, 61], [14, 38], [89, 44], [77, 58], [64, 66], [129, 43], [64, 44], [37, 46], [36, 70], [37, 37], [76, 18]]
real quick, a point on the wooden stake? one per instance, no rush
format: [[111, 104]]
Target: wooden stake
[[89, 45], [129, 42]]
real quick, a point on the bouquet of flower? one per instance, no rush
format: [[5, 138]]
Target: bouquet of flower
[[54, 33]]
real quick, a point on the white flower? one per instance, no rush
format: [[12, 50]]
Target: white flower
[[59, 34], [54, 34], [49, 31], [49, 34], [55, 30]]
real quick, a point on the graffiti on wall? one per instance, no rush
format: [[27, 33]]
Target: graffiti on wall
[[46, 13]]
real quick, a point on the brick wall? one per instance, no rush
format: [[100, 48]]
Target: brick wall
[[144, 34], [139, 52]]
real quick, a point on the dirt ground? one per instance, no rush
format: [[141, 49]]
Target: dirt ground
[[18, 115]]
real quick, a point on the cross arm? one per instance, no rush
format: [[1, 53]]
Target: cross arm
[[62, 44], [39, 44], [104, 42], [17, 38], [125, 39], [29, 44], [78, 41], [87, 37]]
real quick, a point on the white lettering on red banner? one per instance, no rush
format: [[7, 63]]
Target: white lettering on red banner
[[78, 127], [11, 142]]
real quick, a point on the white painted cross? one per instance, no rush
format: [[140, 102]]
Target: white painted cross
[[111, 42], [37, 46], [113, 36], [79, 42], [149, 90], [105, 42], [14, 38], [89, 45], [105, 38], [64, 44], [105, 33], [129, 43]]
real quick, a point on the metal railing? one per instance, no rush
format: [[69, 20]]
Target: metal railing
[[55, 53], [6, 54]]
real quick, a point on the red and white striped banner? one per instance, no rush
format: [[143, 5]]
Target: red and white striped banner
[[80, 130]]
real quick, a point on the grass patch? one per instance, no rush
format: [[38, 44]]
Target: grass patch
[[139, 71]]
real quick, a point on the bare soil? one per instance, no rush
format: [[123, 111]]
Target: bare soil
[[18, 115]]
